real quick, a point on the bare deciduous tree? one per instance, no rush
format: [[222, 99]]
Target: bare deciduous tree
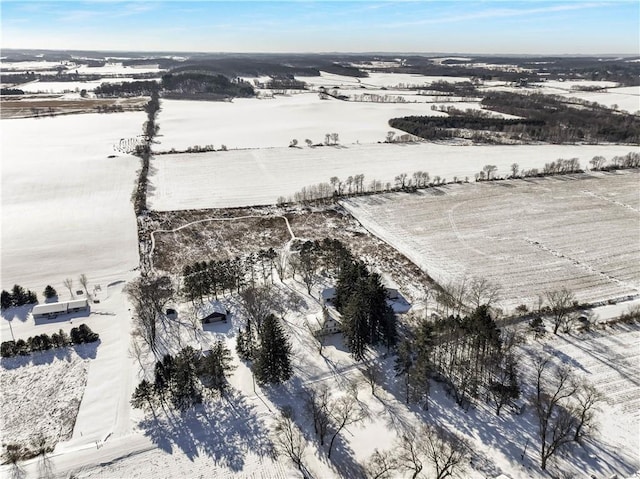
[[344, 411], [258, 303], [316, 402], [381, 465], [372, 374], [554, 388], [68, 283], [483, 291], [445, 451], [149, 295], [588, 399], [84, 282], [560, 304], [288, 438]]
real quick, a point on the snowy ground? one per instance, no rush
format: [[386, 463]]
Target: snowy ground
[[251, 123], [43, 391], [231, 439], [530, 236], [260, 176], [66, 206]]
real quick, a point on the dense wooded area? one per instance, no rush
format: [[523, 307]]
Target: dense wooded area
[[541, 118]]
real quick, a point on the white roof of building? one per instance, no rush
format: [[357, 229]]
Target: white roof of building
[[49, 308], [210, 307], [78, 303]]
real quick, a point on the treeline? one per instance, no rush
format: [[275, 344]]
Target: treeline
[[543, 118], [564, 122], [181, 85], [43, 342], [17, 297], [135, 88], [444, 127], [215, 277], [10, 91], [143, 150]]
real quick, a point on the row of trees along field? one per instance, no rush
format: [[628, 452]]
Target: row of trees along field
[[541, 118], [180, 85], [43, 342]]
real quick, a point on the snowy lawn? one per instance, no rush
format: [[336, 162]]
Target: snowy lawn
[[530, 236], [260, 176], [66, 206]]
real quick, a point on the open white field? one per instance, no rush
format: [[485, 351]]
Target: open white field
[[624, 98], [260, 176], [530, 236], [610, 360], [251, 123], [376, 80], [66, 206]]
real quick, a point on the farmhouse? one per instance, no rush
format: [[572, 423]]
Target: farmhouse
[[52, 310], [330, 322], [211, 312]]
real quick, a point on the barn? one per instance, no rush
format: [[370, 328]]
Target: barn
[[211, 312]]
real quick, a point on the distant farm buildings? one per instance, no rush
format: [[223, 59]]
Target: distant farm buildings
[[53, 310]]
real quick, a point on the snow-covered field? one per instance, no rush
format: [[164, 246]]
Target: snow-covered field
[[530, 236], [376, 80], [251, 123], [260, 176], [43, 393], [66, 206]]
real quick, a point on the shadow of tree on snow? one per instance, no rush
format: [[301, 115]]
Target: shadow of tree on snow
[[224, 430]]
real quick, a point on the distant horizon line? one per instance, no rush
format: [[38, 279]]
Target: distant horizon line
[[385, 53]]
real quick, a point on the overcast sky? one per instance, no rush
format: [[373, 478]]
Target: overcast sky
[[510, 27]]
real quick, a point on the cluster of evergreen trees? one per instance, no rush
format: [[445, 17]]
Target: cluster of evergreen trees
[[362, 300], [470, 354], [17, 297], [214, 277], [43, 342], [180, 380]]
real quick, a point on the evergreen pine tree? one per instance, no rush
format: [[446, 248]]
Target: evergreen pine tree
[[18, 295], [356, 325], [273, 357], [144, 396], [49, 292], [6, 301], [185, 387], [215, 367]]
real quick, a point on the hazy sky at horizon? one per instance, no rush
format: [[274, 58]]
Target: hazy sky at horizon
[[464, 26]]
